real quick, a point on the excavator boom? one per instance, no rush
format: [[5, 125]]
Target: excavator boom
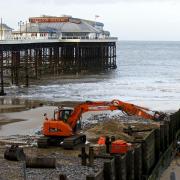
[[129, 109], [132, 109]]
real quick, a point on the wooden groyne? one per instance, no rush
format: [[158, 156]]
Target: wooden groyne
[[24, 60], [152, 153]]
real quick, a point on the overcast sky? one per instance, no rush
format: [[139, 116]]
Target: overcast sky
[[126, 19]]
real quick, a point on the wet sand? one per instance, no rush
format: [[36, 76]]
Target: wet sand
[[25, 117], [11, 108], [29, 121]]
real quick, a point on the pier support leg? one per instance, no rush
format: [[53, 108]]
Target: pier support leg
[[15, 66], [26, 69], [2, 93]]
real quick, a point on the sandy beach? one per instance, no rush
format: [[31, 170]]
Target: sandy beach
[[29, 121]]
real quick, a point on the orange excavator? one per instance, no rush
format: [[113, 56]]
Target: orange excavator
[[62, 128]]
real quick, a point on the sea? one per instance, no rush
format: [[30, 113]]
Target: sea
[[147, 74]]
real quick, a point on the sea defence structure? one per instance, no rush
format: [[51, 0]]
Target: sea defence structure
[[54, 46]]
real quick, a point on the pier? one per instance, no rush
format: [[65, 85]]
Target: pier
[[51, 46], [25, 60]]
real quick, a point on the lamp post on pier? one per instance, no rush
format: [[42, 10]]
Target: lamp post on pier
[[1, 29], [26, 29], [95, 25], [20, 24]]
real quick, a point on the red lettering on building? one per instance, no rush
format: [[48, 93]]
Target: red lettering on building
[[48, 19]]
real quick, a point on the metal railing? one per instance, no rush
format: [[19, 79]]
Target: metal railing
[[57, 37]]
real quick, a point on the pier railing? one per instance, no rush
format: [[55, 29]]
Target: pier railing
[[57, 38], [29, 41]]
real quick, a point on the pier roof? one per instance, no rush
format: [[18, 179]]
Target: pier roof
[[5, 27], [59, 26]]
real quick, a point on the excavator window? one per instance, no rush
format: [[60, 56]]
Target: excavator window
[[64, 114]]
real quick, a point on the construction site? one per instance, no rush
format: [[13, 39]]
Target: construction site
[[120, 140]]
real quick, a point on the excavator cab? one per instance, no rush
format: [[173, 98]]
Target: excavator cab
[[62, 114]]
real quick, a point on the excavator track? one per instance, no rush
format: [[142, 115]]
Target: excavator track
[[45, 142], [42, 142], [71, 142], [68, 143]]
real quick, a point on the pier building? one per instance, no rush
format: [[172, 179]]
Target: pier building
[[65, 27]]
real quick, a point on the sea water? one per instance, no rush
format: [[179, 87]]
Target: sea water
[[147, 74]]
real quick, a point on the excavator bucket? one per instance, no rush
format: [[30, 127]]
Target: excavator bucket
[[14, 153]]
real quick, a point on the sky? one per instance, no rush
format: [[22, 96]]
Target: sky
[[126, 19]]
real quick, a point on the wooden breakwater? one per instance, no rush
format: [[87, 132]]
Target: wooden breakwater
[[23, 61], [152, 153]]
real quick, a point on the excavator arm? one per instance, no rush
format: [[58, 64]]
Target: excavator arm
[[86, 107], [129, 109]]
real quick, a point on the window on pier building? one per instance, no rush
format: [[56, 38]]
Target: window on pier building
[[75, 35], [34, 34], [42, 34]]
